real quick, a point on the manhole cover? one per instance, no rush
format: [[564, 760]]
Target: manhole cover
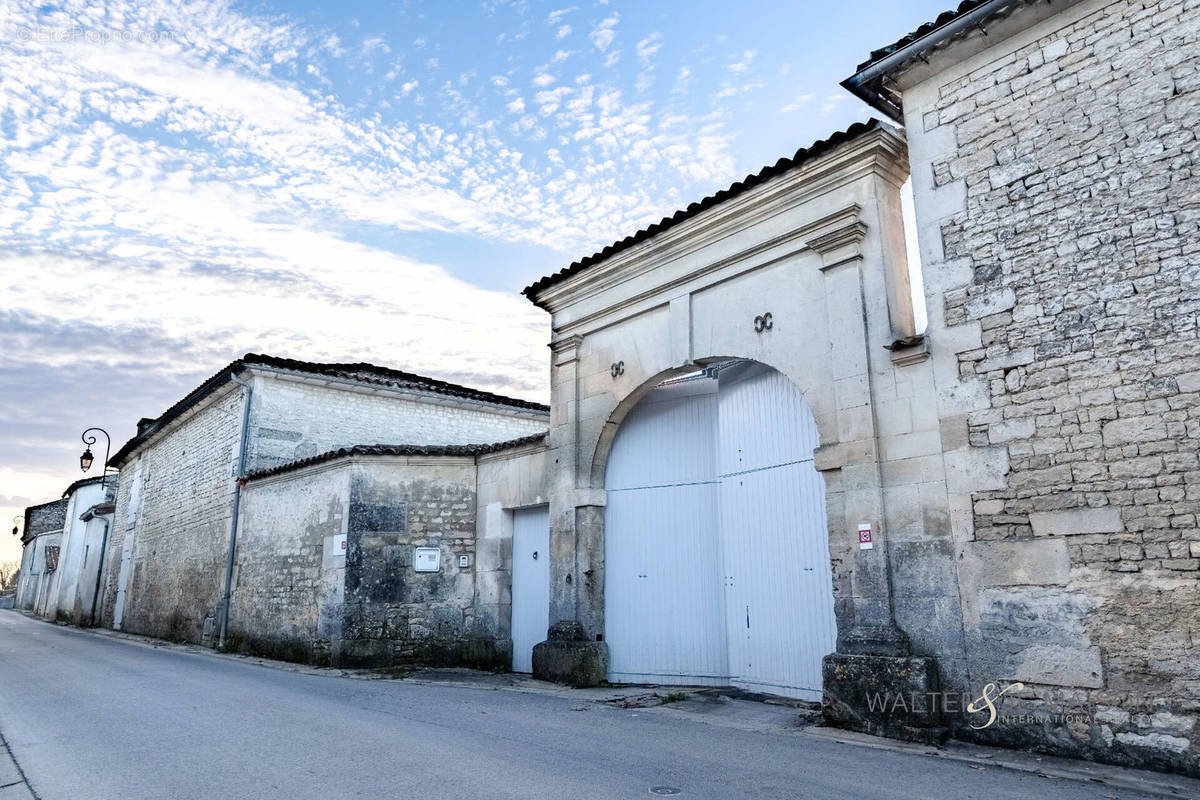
[[663, 790]]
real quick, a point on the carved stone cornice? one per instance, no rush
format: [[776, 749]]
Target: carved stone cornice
[[565, 350], [837, 237]]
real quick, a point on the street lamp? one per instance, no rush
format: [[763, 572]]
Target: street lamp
[[17, 520], [86, 459]]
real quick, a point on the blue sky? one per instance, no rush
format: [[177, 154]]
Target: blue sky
[[356, 180]]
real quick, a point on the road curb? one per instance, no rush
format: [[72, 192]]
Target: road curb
[[1156, 783], [13, 783]]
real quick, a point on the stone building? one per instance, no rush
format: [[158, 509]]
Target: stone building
[[41, 537], [387, 554], [755, 470], [1055, 173], [767, 477], [173, 553]]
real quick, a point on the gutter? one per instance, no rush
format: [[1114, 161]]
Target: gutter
[[237, 503], [856, 83]]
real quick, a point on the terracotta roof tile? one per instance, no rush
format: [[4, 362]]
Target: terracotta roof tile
[[397, 450]]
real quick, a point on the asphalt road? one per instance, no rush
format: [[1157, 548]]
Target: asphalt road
[[88, 716]]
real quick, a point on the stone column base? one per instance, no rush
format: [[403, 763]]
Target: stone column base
[[567, 656], [893, 696]]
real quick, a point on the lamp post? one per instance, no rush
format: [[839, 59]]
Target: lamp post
[[17, 520], [85, 463], [86, 459]]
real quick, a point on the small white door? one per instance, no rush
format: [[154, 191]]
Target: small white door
[[530, 583]]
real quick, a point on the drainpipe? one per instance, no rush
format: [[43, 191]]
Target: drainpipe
[[237, 502], [100, 570]]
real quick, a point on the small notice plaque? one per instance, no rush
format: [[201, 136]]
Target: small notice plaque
[[427, 559], [865, 541]]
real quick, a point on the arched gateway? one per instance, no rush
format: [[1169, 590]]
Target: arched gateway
[[716, 556], [706, 509]]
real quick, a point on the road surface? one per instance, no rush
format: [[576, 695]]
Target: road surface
[[90, 716]]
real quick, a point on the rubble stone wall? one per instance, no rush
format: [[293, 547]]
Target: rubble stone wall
[[1056, 177]]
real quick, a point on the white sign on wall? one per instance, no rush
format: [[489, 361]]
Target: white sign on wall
[[427, 559], [339, 544]]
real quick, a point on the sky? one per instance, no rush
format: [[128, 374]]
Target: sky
[[183, 183]]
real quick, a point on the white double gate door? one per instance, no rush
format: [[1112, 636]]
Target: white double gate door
[[716, 549]]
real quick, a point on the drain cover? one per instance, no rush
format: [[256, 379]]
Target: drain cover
[[663, 790]]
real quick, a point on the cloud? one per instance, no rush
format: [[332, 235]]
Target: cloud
[[554, 17], [831, 103], [603, 34], [166, 205], [375, 44], [647, 47], [741, 63], [800, 102], [563, 32]]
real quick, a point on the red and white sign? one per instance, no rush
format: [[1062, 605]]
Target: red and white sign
[[865, 541]]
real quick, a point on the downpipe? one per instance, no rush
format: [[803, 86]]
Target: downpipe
[[237, 503], [100, 571]]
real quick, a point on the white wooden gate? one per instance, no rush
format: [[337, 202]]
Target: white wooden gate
[[716, 551], [530, 583], [779, 587], [663, 608]]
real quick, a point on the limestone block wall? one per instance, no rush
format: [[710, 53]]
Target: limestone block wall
[[1055, 177], [299, 596], [172, 524], [296, 418], [821, 249]]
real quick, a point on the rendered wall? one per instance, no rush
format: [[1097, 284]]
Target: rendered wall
[[506, 481], [290, 573], [293, 419]]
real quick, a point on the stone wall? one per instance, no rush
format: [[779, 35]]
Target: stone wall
[[298, 596], [394, 614], [171, 525], [293, 419], [40, 520], [820, 248], [1055, 177], [290, 571], [65, 587], [173, 531]]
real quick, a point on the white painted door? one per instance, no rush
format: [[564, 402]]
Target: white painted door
[[530, 583], [778, 581], [664, 614]]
